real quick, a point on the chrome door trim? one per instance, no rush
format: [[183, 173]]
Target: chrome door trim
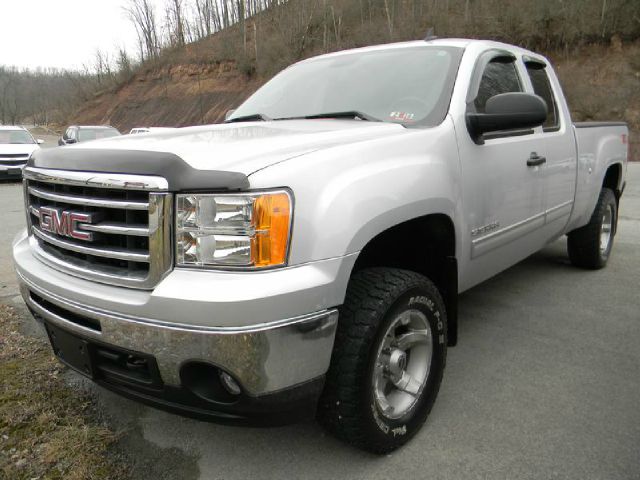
[[559, 211], [497, 238]]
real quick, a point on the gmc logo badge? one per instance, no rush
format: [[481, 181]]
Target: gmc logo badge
[[65, 223]]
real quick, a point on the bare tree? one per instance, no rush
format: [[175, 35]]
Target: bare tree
[[389, 11], [124, 65], [204, 13], [176, 22], [143, 16], [240, 5], [102, 69]]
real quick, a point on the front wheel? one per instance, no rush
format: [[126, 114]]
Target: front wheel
[[590, 246], [388, 359]]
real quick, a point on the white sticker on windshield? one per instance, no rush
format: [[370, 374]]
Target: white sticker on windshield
[[402, 116]]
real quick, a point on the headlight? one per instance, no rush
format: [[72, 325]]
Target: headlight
[[233, 230]]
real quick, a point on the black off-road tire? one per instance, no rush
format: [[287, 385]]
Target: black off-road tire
[[584, 243], [347, 407]]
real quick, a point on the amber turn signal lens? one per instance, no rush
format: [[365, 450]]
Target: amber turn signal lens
[[272, 222]]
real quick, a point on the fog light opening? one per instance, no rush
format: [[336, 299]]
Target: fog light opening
[[210, 383], [229, 383]]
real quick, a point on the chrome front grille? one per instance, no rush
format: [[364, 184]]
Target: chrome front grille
[[13, 159], [127, 241]]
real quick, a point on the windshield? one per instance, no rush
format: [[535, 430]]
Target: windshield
[[401, 85], [86, 134], [16, 137]]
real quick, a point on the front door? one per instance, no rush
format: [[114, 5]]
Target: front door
[[502, 183]]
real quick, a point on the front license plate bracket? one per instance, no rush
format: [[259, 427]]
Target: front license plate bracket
[[70, 350]]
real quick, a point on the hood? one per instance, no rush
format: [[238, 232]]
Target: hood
[[251, 146], [16, 149]]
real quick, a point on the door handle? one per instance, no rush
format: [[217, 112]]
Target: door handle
[[535, 160]]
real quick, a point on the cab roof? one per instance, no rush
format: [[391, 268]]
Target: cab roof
[[443, 42]]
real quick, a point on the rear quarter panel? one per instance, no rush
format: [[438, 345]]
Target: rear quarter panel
[[598, 148]]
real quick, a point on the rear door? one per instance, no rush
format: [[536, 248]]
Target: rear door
[[558, 173]]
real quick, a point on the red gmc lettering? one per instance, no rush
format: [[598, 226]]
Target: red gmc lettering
[[65, 223]]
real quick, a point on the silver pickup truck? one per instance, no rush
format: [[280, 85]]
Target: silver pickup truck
[[304, 258]]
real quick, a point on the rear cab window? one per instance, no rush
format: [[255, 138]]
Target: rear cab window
[[542, 87]]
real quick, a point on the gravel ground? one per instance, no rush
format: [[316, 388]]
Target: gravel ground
[[543, 384]]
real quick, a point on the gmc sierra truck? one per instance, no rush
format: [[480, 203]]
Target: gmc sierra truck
[[304, 258]]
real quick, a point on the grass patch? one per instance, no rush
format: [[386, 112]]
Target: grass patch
[[47, 429]]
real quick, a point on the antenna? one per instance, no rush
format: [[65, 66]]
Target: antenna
[[430, 35]]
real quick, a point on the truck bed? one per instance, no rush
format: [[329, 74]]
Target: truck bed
[[599, 124], [599, 145]]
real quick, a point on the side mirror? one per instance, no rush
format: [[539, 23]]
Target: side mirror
[[228, 114], [507, 111], [39, 141]]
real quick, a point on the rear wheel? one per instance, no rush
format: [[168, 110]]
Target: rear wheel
[[590, 246], [388, 359]]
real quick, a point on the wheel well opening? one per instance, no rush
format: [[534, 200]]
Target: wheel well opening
[[425, 245], [419, 245], [612, 179]]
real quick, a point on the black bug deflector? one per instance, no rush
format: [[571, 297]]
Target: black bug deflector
[[178, 173]]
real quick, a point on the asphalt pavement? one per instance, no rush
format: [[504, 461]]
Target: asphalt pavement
[[544, 383]]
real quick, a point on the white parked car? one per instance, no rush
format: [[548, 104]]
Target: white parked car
[[16, 146]]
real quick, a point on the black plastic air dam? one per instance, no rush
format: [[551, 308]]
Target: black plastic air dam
[[179, 174], [285, 407]]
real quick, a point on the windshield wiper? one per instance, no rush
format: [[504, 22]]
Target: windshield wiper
[[250, 118], [345, 114]]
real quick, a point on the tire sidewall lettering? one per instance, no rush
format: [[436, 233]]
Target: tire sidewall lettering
[[431, 306]]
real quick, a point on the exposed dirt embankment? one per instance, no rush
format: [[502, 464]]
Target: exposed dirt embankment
[[603, 83], [600, 82], [172, 96]]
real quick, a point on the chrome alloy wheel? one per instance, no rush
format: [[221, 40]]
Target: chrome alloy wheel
[[402, 363], [606, 230]]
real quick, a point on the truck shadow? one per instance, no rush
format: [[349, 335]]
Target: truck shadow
[[509, 285]]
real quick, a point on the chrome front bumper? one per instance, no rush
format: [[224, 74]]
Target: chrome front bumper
[[263, 358], [271, 331]]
